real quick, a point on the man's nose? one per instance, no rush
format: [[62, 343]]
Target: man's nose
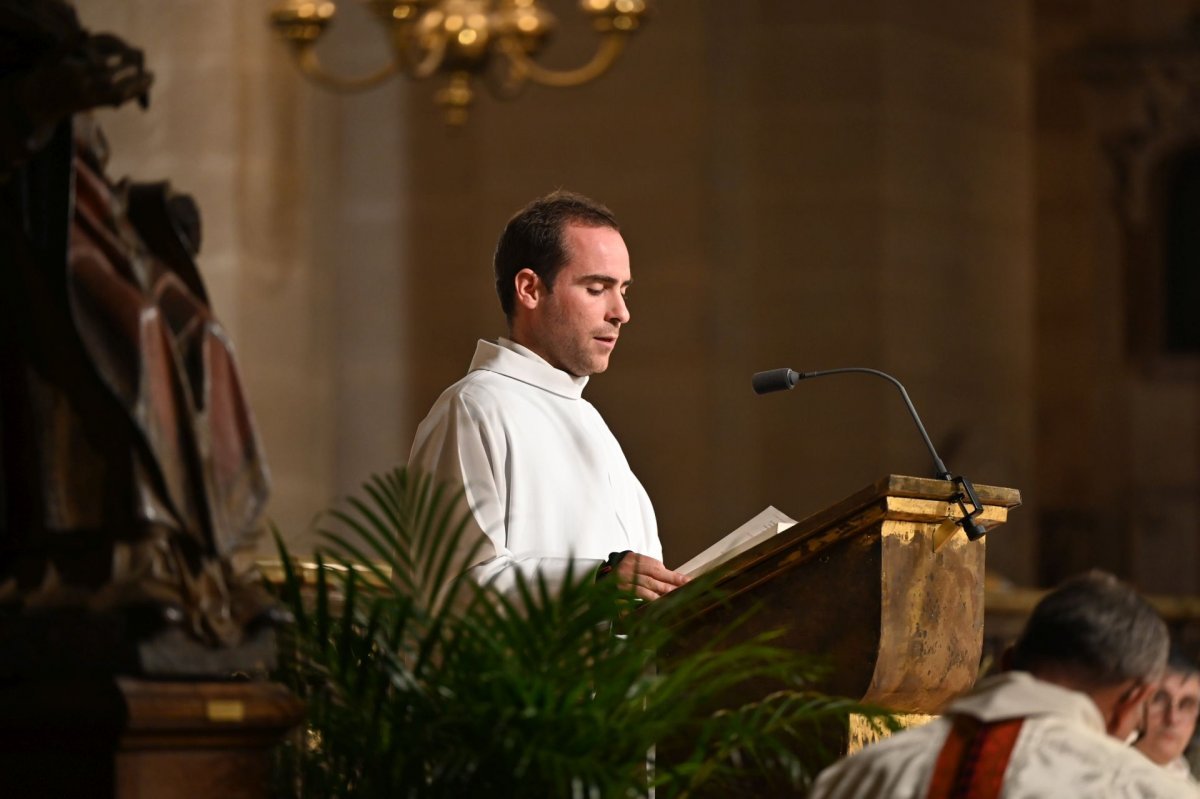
[[619, 312]]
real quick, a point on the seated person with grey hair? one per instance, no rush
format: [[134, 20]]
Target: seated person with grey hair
[[1053, 725], [1171, 716]]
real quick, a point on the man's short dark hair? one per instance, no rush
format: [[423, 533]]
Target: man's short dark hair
[[1099, 628], [534, 239]]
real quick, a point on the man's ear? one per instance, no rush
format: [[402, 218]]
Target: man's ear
[[1129, 710], [529, 288]]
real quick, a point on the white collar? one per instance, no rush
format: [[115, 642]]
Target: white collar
[[1015, 694], [513, 360]]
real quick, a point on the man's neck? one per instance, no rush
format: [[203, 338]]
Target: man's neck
[[1111, 700], [518, 336], [522, 349]]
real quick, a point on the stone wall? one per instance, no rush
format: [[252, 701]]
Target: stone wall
[[1118, 455], [808, 184]]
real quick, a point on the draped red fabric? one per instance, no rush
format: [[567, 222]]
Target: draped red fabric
[[974, 758]]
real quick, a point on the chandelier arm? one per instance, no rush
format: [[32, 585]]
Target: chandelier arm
[[610, 47], [427, 65], [310, 66]]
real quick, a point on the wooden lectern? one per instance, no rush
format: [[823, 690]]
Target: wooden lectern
[[861, 585]]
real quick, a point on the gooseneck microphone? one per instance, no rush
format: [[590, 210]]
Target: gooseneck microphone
[[781, 379], [785, 379]]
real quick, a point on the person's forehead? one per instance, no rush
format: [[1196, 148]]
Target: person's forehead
[[1182, 684], [596, 250]]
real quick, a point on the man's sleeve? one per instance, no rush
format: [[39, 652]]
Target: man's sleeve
[[897, 767], [468, 452], [856, 777]]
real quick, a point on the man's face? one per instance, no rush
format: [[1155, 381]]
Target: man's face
[[1170, 717], [575, 326]]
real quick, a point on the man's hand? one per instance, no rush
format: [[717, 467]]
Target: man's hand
[[646, 577]]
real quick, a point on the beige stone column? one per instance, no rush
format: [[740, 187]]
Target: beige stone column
[[298, 190]]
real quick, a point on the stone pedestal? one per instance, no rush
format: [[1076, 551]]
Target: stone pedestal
[[130, 738]]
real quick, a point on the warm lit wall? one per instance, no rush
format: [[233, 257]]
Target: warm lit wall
[[1118, 457], [801, 183], [299, 195]]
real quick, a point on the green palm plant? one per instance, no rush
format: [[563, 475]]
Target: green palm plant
[[422, 685]]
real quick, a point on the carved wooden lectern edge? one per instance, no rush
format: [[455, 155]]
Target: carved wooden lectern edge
[[876, 502], [866, 585]]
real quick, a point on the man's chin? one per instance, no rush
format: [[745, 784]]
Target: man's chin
[[587, 369], [597, 363], [1163, 750]]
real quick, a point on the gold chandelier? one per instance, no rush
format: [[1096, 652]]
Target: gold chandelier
[[494, 41]]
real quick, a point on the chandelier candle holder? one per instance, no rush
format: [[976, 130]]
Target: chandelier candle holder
[[491, 41]]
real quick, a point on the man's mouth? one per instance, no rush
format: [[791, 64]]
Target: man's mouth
[[610, 341]]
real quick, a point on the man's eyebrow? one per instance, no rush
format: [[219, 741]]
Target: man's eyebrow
[[607, 280]]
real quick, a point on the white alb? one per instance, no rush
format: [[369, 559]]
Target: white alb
[[1062, 752], [547, 484]]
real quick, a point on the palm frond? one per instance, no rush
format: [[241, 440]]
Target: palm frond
[[423, 684]]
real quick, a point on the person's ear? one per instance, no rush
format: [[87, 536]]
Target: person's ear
[[1129, 710], [529, 288]]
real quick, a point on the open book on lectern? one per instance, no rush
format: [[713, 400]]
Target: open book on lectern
[[770, 522]]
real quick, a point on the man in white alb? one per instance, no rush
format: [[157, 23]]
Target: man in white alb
[[548, 486], [1053, 726]]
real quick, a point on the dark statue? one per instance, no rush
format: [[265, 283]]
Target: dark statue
[[130, 466]]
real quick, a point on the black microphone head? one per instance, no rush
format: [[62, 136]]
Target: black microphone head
[[774, 380]]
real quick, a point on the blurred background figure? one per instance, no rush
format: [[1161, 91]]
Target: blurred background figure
[[1052, 725], [1171, 716]]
